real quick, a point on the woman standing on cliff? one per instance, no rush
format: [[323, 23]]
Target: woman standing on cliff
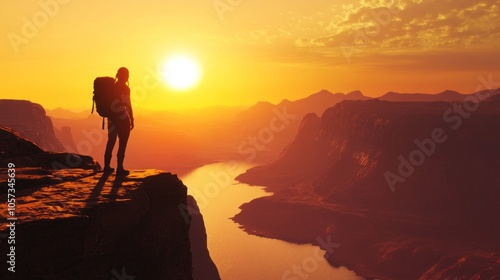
[[120, 124]]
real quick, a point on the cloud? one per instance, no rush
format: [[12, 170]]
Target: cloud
[[410, 25]]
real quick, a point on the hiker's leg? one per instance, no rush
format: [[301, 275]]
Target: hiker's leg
[[123, 135], [112, 134]]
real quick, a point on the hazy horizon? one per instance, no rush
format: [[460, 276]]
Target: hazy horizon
[[84, 109]]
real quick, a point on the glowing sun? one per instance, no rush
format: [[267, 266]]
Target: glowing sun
[[181, 72]]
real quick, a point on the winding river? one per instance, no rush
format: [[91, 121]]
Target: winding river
[[241, 256]]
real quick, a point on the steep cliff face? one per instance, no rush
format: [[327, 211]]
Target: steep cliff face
[[31, 121], [204, 267], [413, 157], [409, 190]]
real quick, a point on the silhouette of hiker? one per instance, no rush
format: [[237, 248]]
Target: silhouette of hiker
[[120, 124]]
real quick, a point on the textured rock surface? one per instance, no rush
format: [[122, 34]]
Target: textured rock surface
[[12, 144], [90, 225]]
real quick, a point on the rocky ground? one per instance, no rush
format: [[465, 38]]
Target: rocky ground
[[83, 224]]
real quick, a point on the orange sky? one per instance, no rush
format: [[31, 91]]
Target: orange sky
[[249, 50]]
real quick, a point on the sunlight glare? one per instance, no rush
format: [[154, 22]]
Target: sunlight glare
[[181, 72]]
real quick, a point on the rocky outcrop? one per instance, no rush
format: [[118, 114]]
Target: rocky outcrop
[[74, 223], [91, 226], [31, 121], [12, 144], [14, 148], [86, 225], [408, 189]]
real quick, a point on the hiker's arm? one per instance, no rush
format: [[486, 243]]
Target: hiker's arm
[[130, 111], [128, 104]]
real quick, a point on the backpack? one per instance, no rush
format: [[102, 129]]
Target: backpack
[[105, 96]]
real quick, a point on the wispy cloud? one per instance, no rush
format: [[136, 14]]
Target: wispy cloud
[[415, 24]]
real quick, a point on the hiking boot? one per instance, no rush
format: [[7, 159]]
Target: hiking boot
[[108, 170], [122, 172]]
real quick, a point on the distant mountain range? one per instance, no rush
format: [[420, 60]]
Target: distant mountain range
[[260, 132], [67, 114], [256, 134], [252, 124], [314, 103], [447, 96]]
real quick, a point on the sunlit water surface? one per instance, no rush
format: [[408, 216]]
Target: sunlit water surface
[[238, 255]]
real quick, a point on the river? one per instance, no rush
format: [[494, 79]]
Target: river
[[241, 256]]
